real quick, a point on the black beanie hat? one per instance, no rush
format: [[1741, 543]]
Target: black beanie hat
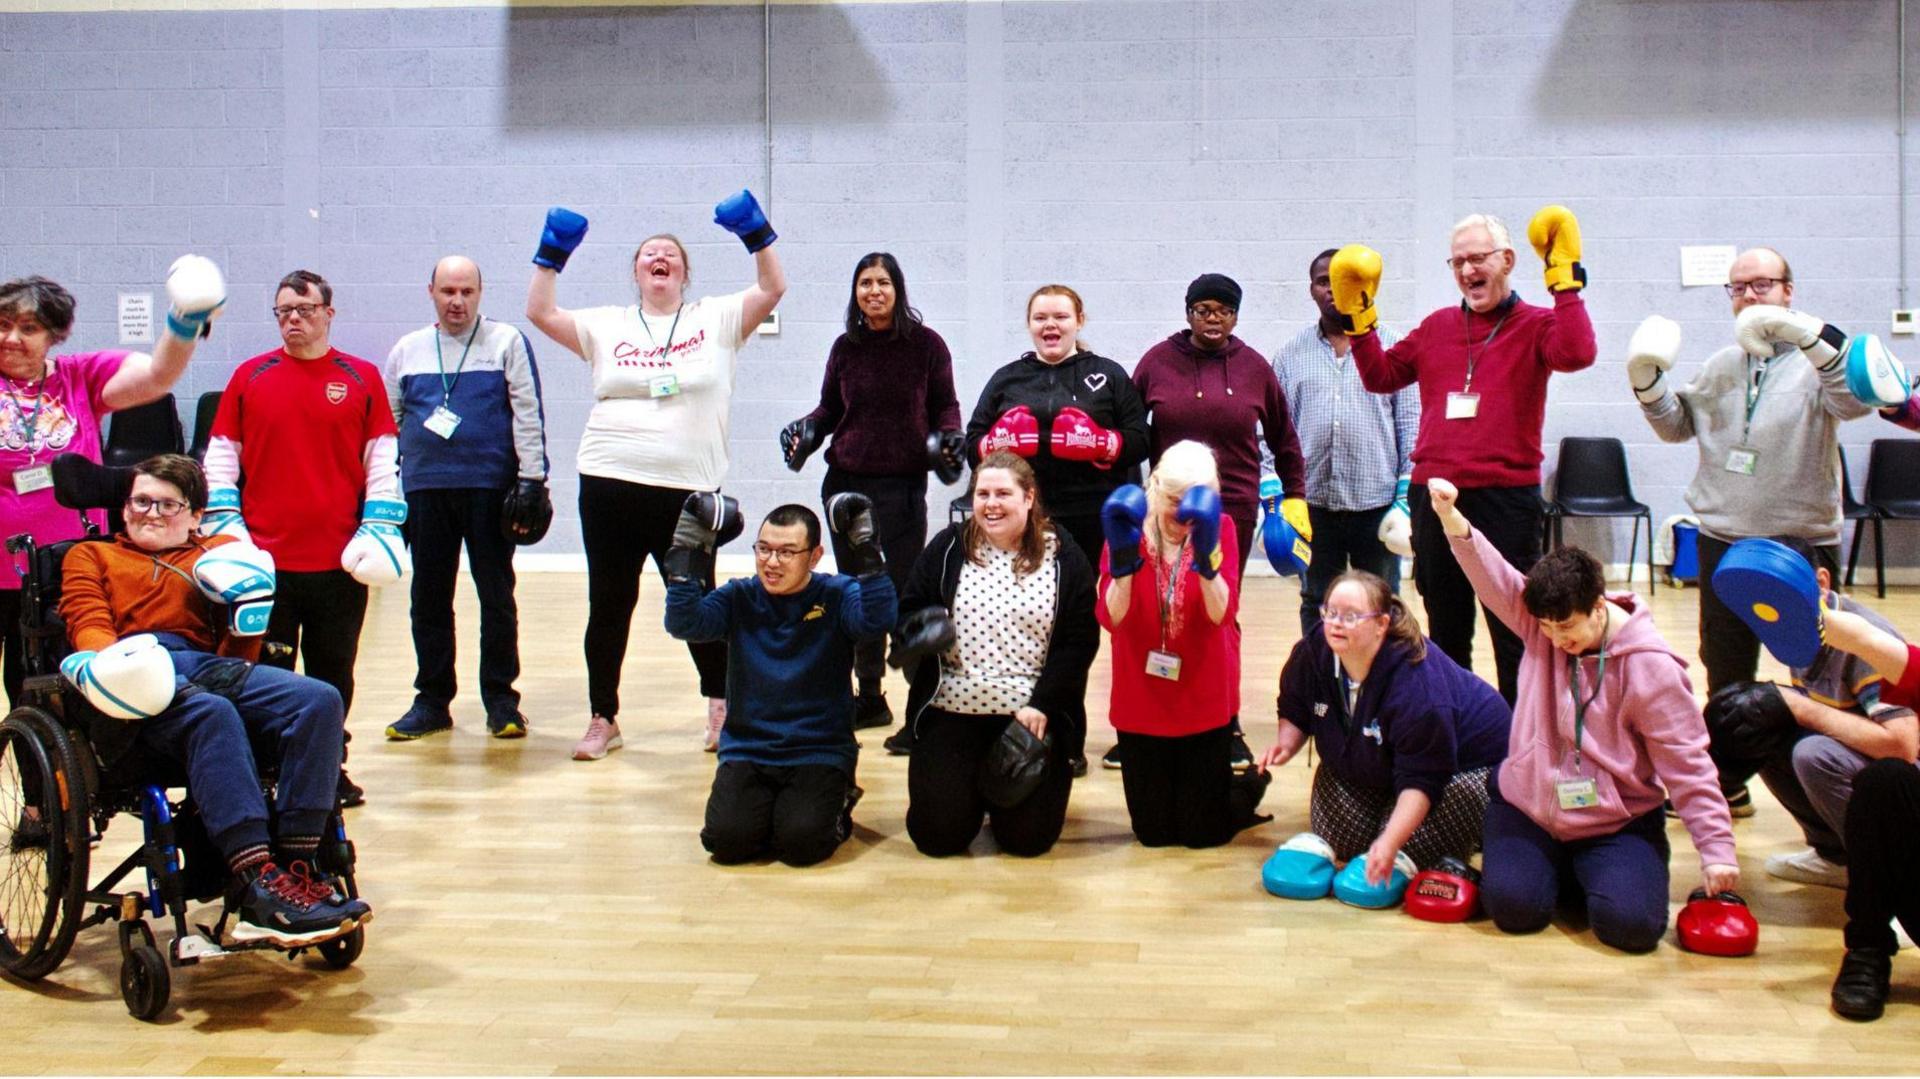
[[1214, 286]]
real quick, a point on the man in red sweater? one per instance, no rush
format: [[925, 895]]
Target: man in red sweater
[[1482, 369]]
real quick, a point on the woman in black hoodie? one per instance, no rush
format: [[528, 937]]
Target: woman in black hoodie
[[996, 628]]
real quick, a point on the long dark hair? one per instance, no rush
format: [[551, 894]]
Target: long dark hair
[[905, 318], [1033, 541], [1402, 626]]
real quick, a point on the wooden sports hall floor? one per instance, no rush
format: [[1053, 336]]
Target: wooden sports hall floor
[[539, 916]]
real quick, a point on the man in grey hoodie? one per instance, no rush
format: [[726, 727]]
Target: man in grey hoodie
[[1766, 413]]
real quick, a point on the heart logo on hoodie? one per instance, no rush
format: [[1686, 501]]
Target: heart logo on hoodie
[[1096, 380]]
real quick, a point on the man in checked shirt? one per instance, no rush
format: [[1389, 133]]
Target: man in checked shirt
[[1356, 444]]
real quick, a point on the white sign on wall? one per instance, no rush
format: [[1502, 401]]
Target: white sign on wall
[[1706, 264], [136, 318]]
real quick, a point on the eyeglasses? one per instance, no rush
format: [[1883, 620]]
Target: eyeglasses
[[779, 556], [1759, 286], [1213, 314], [1475, 261], [304, 310], [1346, 619], [165, 507]]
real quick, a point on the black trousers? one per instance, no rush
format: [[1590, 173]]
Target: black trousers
[[621, 524], [1342, 539], [439, 522], [14, 664], [1728, 649], [944, 806], [1183, 792], [900, 517], [1883, 873], [1091, 539], [319, 615], [797, 814], [1510, 518]]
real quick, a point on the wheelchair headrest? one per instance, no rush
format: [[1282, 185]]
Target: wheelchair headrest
[[80, 484]]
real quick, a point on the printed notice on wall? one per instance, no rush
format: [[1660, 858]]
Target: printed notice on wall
[[1705, 264], [136, 318]]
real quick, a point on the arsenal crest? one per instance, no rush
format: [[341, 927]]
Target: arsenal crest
[[336, 392]]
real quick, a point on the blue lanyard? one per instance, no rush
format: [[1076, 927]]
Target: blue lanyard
[[27, 421], [1573, 686], [446, 386]]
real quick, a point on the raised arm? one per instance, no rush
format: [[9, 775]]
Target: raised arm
[[197, 291], [563, 232]]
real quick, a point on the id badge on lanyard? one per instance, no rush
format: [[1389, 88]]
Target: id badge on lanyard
[[1163, 662], [1572, 784]]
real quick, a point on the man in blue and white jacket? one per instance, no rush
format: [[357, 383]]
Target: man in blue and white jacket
[[466, 398]]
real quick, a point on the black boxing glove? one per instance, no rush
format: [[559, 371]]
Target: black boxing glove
[[526, 512], [799, 439], [947, 454], [926, 632], [708, 521], [1748, 724], [850, 516]]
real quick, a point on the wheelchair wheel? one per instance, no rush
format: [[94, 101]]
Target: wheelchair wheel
[[42, 867], [145, 983], [340, 952]]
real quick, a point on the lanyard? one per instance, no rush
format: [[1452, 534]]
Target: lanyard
[[27, 421], [1466, 324], [1349, 696], [1756, 385], [1172, 590], [1573, 685], [446, 385], [667, 352]]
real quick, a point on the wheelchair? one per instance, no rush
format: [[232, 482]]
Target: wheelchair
[[66, 770]]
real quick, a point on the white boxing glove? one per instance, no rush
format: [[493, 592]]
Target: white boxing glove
[[1761, 326], [241, 577], [129, 679], [1650, 355], [197, 292], [376, 555], [1396, 530], [222, 517]]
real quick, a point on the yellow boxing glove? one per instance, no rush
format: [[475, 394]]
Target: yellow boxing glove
[[1355, 274], [1294, 512], [1555, 235]]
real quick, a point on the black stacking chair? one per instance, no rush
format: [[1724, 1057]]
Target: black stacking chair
[[203, 414], [1893, 490], [1852, 509], [1592, 482]]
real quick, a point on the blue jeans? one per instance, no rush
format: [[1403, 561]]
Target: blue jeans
[[1623, 876], [285, 717]]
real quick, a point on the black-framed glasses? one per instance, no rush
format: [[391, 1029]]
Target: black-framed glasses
[[165, 507], [1346, 618], [304, 310], [1213, 314], [1759, 286], [779, 556], [1476, 261]]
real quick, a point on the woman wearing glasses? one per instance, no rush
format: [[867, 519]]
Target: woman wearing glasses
[[51, 405], [663, 377], [996, 628], [1205, 384], [1406, 737]]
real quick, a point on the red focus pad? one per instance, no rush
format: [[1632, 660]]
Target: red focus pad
[[1075, 437], [1447, 892], [1717, 925], [1017, 429]]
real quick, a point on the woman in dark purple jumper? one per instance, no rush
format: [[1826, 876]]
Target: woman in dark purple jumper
[[888, 387]]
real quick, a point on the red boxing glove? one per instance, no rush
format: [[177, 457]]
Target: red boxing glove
[[1015, 430], [1075, 437], [1448, 892], [1717, 925]]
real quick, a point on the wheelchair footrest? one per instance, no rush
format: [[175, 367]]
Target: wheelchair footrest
[[194, 947]]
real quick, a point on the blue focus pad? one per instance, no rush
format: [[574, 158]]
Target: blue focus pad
[[1301, 869], [1775, 593], [1287, 551], [1873, 374], [1350, 884]]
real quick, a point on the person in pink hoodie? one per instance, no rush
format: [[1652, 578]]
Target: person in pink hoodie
[[1605, 728]]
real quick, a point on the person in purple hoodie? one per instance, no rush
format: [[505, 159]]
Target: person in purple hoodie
[[1605, 727], [1407, 738]]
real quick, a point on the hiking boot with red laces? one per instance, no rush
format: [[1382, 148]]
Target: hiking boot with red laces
[[290, 910]]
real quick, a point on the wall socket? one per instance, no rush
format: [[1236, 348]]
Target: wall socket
[[1905, 321], [771, 326]]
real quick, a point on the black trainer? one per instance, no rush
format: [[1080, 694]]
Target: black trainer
[[350, 793], [1860, 990], [506, 723], [1111, 758], [900, 742], [870, 710], [1240, 755], [290, 910], [1078, 766]]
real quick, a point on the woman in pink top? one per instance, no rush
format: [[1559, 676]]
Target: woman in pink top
[[50, 405], [1605, 728], [1169, 587]]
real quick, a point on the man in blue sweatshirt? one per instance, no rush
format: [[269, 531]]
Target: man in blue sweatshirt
[[784, 787]]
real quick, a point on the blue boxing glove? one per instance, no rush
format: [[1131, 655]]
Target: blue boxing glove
[[1301, 869], [1120, 520], [376, 555], [565, 229], [742, 216], [1873, 374], [1350, 884], [1200, 512], [1287, 552]]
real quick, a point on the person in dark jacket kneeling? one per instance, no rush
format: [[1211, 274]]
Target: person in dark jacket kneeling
[[1406, 737], [785, 784], [997, 629]]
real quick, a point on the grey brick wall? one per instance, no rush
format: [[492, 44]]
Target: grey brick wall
[[1119, 146]]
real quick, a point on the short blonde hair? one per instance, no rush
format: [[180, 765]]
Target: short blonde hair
[[1496, 228], [1183, 466]]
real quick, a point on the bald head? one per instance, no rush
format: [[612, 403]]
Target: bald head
[[455, 289], [1760, 275]]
